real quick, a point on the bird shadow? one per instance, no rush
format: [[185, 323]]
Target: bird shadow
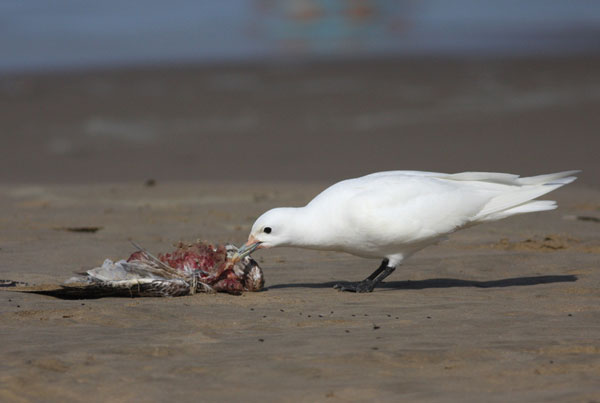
[[445, 283]]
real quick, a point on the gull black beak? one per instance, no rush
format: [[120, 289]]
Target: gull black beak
[[245, 250]]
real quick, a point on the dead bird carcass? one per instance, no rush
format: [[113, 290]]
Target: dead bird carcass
[[189, 269]]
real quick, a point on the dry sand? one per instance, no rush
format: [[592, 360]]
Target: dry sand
[[503, 311], [507, 311]]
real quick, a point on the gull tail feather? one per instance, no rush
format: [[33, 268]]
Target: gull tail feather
[[519, 198]]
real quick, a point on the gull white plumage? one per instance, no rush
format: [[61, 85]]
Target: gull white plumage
[[391, 215]]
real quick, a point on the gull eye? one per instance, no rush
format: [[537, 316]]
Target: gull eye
[[267, 230]]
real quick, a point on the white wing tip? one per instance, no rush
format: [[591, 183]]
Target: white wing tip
[[557, 178]]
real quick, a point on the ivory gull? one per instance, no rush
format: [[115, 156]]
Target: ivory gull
[[391, 215]]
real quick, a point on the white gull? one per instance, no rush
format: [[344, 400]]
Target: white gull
[[391, 215]]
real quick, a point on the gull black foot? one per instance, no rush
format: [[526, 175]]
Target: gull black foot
[[360, 286], [368, 284]]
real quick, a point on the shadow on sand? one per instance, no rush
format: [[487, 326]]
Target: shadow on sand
[[446, 283], [64, 293]]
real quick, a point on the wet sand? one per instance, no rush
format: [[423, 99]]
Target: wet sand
[[503, 311], [313, 122]]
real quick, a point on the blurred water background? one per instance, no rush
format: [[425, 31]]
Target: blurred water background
[[72, 34]]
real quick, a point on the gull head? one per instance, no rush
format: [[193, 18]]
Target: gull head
[[273, 228]]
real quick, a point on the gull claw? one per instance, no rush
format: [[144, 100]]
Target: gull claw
[[360, 286]]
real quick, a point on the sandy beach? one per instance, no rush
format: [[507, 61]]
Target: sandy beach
[[502, 311]]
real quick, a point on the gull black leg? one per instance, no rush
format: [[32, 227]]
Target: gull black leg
[[381, 268], [368, 284]]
